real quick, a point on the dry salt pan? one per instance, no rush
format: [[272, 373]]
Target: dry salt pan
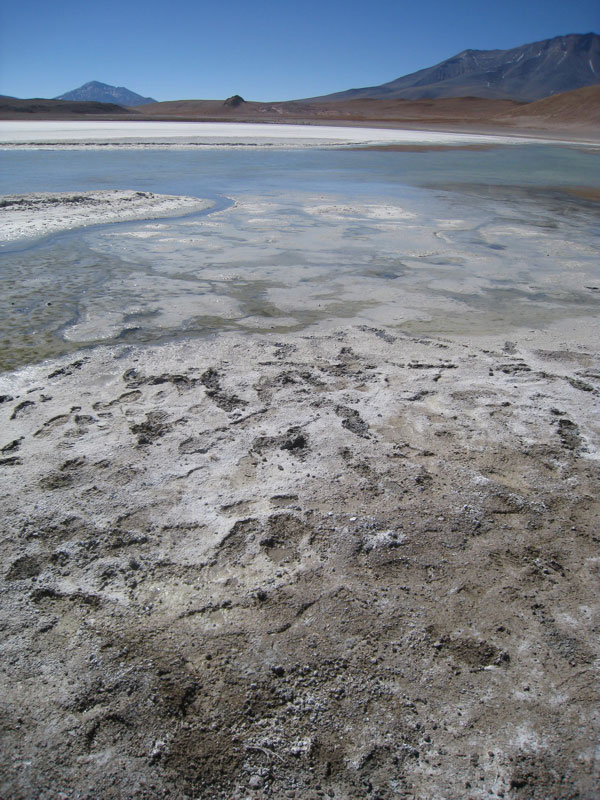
[[147, 134]]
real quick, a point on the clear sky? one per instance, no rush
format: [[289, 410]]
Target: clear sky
[[263, 50]]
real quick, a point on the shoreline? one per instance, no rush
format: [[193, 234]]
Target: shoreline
[[38, 214], [381, 131], [182, 134]]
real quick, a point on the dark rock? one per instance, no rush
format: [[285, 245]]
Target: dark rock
[[352, 421], [234, 101]]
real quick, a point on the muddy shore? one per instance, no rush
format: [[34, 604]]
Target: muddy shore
[[353, 563]]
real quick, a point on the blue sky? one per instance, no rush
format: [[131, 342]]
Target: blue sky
[[263, 50]]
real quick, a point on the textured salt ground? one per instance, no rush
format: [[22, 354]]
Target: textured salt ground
[[348, 564], [33, 215]]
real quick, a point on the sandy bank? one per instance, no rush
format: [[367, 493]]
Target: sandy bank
[[354, 561], [33, 215]]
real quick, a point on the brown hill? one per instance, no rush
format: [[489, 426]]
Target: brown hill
[[575, 113], [578, 108], [350, 111]]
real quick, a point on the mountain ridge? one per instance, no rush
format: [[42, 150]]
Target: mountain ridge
[[95, 91], [526, 73]]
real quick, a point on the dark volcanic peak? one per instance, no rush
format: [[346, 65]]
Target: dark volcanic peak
[[234, 101], [526, 73], [103, 93]]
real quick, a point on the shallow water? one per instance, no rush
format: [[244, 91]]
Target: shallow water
[[452, 241]]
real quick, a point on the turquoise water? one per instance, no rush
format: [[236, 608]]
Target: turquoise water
[[435, 241], [225, 171]]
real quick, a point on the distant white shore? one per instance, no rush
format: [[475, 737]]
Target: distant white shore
[[32, 215], [72, 135]]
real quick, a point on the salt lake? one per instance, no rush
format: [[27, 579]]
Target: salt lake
[[306, 231]]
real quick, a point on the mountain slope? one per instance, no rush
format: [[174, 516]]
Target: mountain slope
[[579, 107], [103, 93], [527, 73]]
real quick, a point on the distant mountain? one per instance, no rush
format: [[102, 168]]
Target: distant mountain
[[103, 93], [526, 73]]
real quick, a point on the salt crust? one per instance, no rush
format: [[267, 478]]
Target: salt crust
[[32, 215], [231, 134]]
